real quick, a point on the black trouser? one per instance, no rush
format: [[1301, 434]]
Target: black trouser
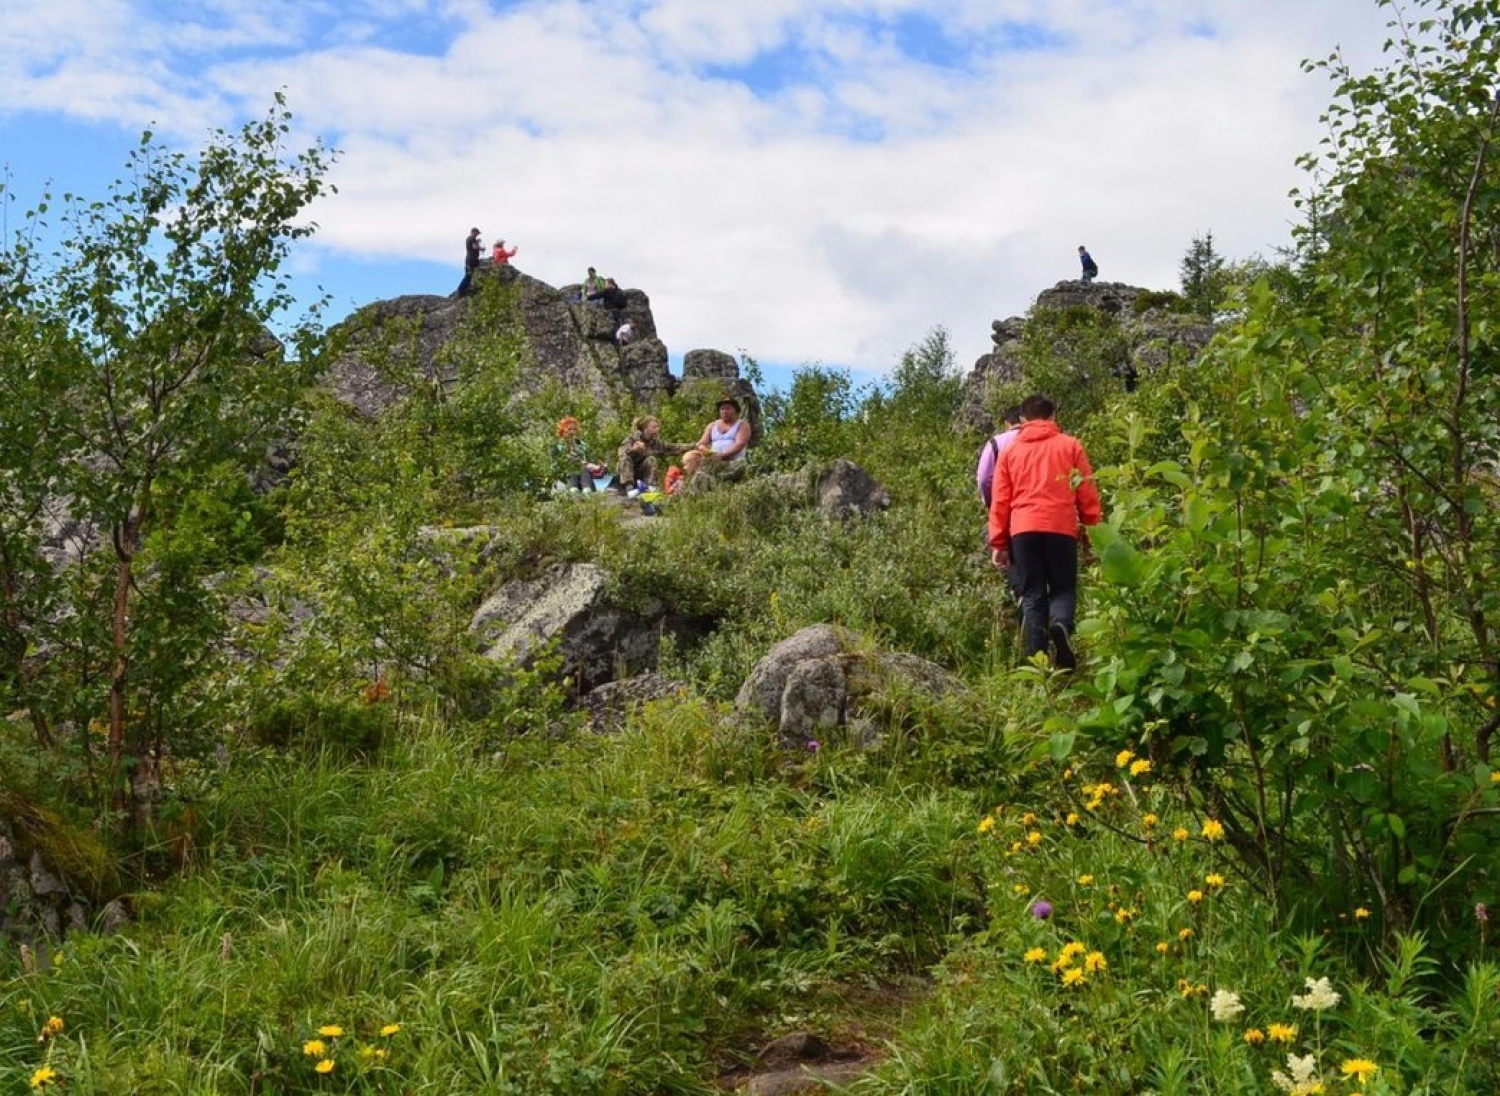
[[1045, 571]]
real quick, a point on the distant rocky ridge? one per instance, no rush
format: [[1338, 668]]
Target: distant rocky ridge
[[1153, 336], [566, 341]]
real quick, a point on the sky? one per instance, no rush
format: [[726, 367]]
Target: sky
[[806, 182]]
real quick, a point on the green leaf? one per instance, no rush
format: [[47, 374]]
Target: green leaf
[[1122, 565], [1061, 744], [1398, 827]]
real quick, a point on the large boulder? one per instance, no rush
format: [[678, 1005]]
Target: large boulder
[[610, 706], [840, 489], [823, 678], [569, 607]]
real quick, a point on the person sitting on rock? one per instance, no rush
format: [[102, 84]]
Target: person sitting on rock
[[640, 456], [625, 335], [502, 256], [724, 441], [591, 285], [610, 295], [570, 457]]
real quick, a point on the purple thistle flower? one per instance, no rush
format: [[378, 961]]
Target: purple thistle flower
[[1041, 910]]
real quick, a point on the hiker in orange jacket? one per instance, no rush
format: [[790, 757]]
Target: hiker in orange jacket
[[1043, 493]]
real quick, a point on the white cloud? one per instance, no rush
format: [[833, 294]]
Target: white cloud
[[833, 217]]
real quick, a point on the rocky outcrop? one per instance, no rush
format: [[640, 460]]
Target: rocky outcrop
[[1153, 336], [391, 348], [841, 489], [44, 895], [610, 706], [822, 679], [569, 609]]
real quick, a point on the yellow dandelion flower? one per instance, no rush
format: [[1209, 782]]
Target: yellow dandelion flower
[[389, 1030], [1085, 880], [1495, 776], [1062, 963], [1255, 1037], [1361, 914], [1016, 846], [315, 1048], [1185, 935], [44, 1076], [1195, 896], [1213, 830], [1361, 1069], [1028, 819], [1073, 948], [1034, 838], [1073, 977], [1021, 888], [1035, 955], [986, 824], [1094, 962], [381, 1054], [325, 1066], [1213, 879], [1149, 820], [1124, 914], [1072, 819], [1180, 834], [1140, 767], [1281, 1033], [330, 1031], [1184, 987], [53, 1026], [1068, 774], [1123, 758], [1163, 947]]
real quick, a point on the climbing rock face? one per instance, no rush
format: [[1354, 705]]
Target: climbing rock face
[[822, 679]]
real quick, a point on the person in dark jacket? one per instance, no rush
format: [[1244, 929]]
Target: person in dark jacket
[[1042, 497], [471, 263], [1090, 268]]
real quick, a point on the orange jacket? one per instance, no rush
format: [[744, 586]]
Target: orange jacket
[[1043, 484]]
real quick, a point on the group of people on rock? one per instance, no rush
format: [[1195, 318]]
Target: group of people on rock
[[639, 462]]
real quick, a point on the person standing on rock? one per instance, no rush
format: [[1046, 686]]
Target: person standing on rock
[[471, 263], [1043, 497], [1090, 268], [502, 257]]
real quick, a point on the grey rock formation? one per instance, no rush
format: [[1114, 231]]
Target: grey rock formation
[[570, 607], [841, 489], [1153, 338], [610, 705], [392, 347], [819, 680]]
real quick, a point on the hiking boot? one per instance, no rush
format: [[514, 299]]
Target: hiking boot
[[1063, 657]]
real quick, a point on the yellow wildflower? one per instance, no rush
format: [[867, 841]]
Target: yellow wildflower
[[53, 1026], [1094, 962], [1021, 888], [1028, 819], [1149, 820], [1035, 955], [1015, 846], [1361, 914], [1072, 948], [1255, 1037], [1213, 879], [390, 1029], [1195, 896], [1072, 976], [1123, 914], [1213, 830], [1185, 935], [1360, 1068], [325, 1066], [1495, 776], [986, 824], [1180, 834], [330, 1031], [1072, 819], [315, 1048], [44, 1076], [1281, 1033], [1085, 880], [1163, 947], [1034, 838], [1123, 758], [1140, 767]]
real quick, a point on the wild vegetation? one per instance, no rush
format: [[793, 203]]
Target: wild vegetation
[[1249, 846]]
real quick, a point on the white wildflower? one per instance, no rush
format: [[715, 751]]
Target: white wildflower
[[1320, 995], [1304, 1079], [1225, 1005]]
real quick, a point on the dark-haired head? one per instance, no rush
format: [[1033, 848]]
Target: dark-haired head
[[1037, 407], [1012, 414]]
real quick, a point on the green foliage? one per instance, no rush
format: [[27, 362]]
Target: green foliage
[[349, 730], [1071, 354], [1203, 276]]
